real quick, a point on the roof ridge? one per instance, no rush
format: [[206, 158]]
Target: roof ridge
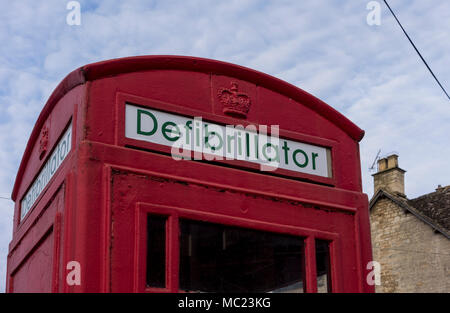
[[403, 202]]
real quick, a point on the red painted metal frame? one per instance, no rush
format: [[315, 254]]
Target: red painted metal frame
[[109, 68], [269, 225], [88, 206]]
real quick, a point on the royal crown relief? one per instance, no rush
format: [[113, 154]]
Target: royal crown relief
[[235, 103]]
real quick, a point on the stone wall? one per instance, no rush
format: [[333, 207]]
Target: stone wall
[[413, 257]]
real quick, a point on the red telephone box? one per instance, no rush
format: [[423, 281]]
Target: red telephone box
[[168, 174]]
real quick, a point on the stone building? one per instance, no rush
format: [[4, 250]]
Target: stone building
[[410, 237]]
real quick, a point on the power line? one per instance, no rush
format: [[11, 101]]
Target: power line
[[413, 251], [5, 198], [415, 48]]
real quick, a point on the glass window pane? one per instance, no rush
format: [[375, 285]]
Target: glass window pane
[[323, 266], [219, 258], [156, 251]]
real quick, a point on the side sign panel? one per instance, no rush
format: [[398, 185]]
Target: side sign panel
[[225, 142]]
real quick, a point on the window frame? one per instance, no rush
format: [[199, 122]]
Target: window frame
[[174, 214]]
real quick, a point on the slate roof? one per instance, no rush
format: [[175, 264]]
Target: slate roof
[[436, 206], [432, 208]]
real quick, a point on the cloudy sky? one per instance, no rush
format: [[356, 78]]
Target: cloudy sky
[[370, 73]]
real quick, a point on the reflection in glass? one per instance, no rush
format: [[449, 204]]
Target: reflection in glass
[[156, 251]]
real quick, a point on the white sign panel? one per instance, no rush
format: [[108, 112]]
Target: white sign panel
[[51, 166], [231, 142]]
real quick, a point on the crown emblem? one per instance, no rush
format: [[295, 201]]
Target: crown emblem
[[234, 103], [43, 143]]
